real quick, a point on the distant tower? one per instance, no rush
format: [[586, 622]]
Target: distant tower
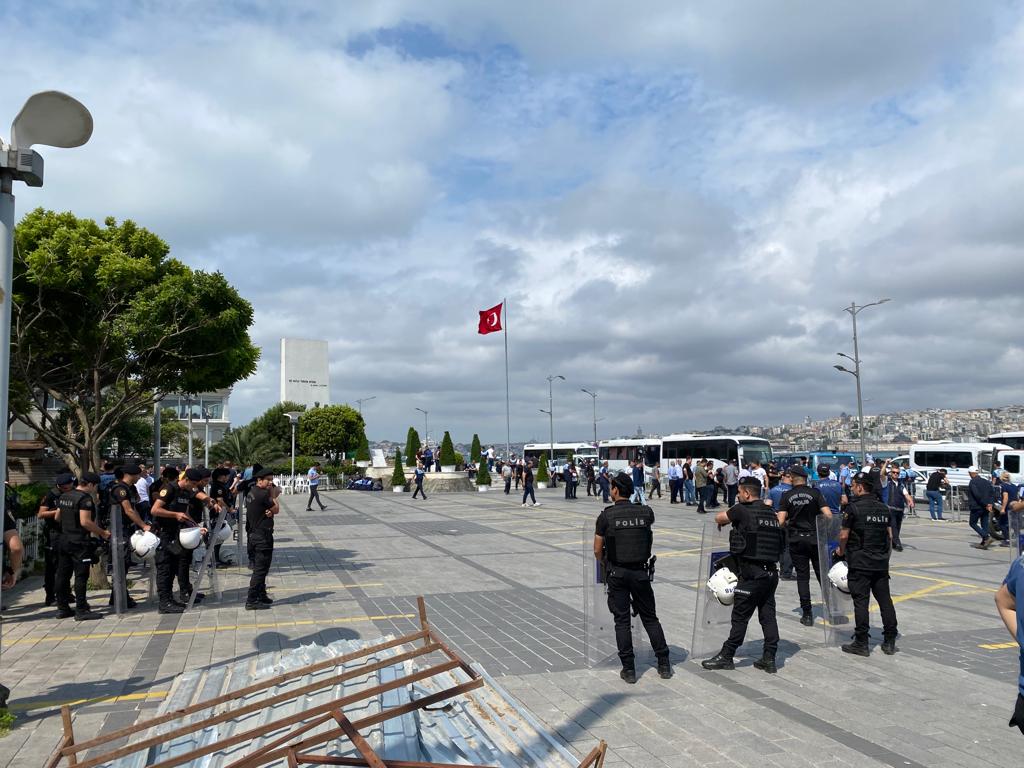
[[305, 376]]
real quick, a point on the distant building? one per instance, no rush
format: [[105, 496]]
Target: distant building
[[305, 376], [206, 407]]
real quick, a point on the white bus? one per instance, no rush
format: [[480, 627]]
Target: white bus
[[930, 455], [1013, 439], [580, 452], [719, 448], [620, 453]]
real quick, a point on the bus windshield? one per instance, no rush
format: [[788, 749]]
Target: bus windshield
[[755, 450]]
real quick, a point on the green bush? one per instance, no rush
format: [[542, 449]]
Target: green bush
[[398, 476], [363, 452], [30, 496], [483, 477], [302, 464], [448, 457], [412, 445], [474, 451], [542, 470]]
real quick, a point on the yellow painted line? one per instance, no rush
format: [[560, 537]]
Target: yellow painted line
[[677, 553], [981, 587], [568, 544], [204, 630], [918, 593], [923, 565], [997, 646], [32, 705], [964, 592]]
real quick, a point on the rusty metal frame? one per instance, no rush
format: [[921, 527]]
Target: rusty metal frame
[[292, 747]]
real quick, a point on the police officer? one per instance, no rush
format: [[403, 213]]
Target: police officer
[[47, 512], [123, 494], [866, 541], [260, 510], [897, 497], [756, 543], [77, 516], [622, 543], [799, 508], [170, 515], [221, 495]]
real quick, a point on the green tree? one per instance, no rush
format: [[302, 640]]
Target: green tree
[[105, 322], [412, 444], [134, 435], [483, 477], [244, 447], [363, 451], [275, 427], [398, 476], [331, 430], [474, 449], [542, 470], [448, 457]]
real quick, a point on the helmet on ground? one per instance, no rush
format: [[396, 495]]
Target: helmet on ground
[[838, 574], [221, 532], [723, 585], [190, 538], [144, 543]]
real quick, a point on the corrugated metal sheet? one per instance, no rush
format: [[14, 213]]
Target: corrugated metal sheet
[[484, 727]]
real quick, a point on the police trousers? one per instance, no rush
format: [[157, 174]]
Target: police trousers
[[862, 585], [51, 559], [75, 557], [804, 552], [263, 553], [755, 591], [173, 561], [633, 588]]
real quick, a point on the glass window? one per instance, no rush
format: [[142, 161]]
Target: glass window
[[940, 458], [214, 407], [985, 462], [1011, 464], [756, 451]]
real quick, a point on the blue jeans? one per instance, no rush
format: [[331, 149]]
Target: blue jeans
[[689, 496], [934, 504], [979, 522]]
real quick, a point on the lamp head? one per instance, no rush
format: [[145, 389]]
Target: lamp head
[[52, 118], [293, 416]]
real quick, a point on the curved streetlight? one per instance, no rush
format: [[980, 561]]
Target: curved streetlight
[[426, 427], [594, 396], [49, 118], [293, 417], [361, 400], [551, 414], [854, 310]]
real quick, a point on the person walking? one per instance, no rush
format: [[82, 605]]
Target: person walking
[[528, 485], [638, 482], [732, 479], [313, 475], [979, 502], [700, 484], [418, 480], [937, 483], [506, 475], [896, 496], [655, 481], [588, 470], [1009, 494], [604, 481]]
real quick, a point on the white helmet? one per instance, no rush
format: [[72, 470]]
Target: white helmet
[[190, 538], [221, 532], [144, 543], [723, 585], [839, 574]]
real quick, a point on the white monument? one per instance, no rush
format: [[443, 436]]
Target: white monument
[[305, 377]]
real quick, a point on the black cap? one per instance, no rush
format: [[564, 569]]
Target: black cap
[[207, 472], [864, 479], [624, 483], [263, 473], [131, 469], [90, 477], [752, 482], [65, 478], [193, 474], [798, 470]]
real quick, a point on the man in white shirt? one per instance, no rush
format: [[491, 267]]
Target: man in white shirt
[[732, 479], [314, 485], [142, 488], [673, 481], [758, 471]]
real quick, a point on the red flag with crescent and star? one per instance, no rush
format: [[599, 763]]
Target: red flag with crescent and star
[[490, 320]]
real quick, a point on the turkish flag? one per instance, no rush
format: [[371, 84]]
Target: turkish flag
[[490, 320]]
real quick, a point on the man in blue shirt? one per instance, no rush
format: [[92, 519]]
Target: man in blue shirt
[[831, 489], [314, 488], [774, 499], [638, 482], [1011, 611]]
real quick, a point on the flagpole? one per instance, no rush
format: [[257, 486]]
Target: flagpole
[[508, 409]]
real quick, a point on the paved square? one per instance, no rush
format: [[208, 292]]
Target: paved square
[[505, 585]]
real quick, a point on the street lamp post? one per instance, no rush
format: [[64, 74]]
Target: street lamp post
[[361, 400], [189, 401], [426, 427], [594, 396], [206, 437], [854, 310], [51, 119], [293, 417], [551, 414]]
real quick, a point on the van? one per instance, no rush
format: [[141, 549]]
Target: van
[[1012, 461], [929, 456]]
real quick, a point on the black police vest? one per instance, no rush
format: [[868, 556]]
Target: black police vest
[[757, 535], [868, 546], [70, 520], [629, 536]]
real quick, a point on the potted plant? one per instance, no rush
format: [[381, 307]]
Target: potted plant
[[448, 458], [398, 475], [542, 472], [483, 477], [363, 453]]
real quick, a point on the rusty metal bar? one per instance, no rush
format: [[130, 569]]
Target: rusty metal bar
[[371, 757], [69, 733], [254, 688], [292, 762], [424, 624], [326, 682], [596, 756], [57, 755], [360, 763], [321, 709], [253, 759], [451, 654]]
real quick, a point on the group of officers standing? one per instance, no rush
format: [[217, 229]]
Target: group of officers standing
[[758, 538], [78, 523]]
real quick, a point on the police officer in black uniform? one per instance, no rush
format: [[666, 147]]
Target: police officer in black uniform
[[622, 544], [47, 512], [866, 542], [221, 495], [756, 542], [799, 508], [123, 494], [77, 515], [260, 510], [170, 515]]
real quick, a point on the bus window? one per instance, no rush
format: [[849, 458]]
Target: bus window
[[940, 458]]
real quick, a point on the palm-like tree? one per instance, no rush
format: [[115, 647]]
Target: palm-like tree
[[244, 447]]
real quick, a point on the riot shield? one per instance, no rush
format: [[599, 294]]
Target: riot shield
[[838, 605], [712, 620], [206, 567], [242, 557], [599, 648], [118, 564], [1016, 535]]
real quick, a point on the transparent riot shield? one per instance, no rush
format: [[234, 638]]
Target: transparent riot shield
[[838, 605], [1016, 535], [118, 563], [206, 567], [242, 557], [712, 620], [599, 648]]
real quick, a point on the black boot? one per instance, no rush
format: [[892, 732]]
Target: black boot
[[721, 661], [171, 607], [857, 648], [889, 646], [767, 663], [628, 674], [807, 619], [65, 612], [87, 615], [665, 669]]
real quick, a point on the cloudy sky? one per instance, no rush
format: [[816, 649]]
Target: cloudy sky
[[677, 202]]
